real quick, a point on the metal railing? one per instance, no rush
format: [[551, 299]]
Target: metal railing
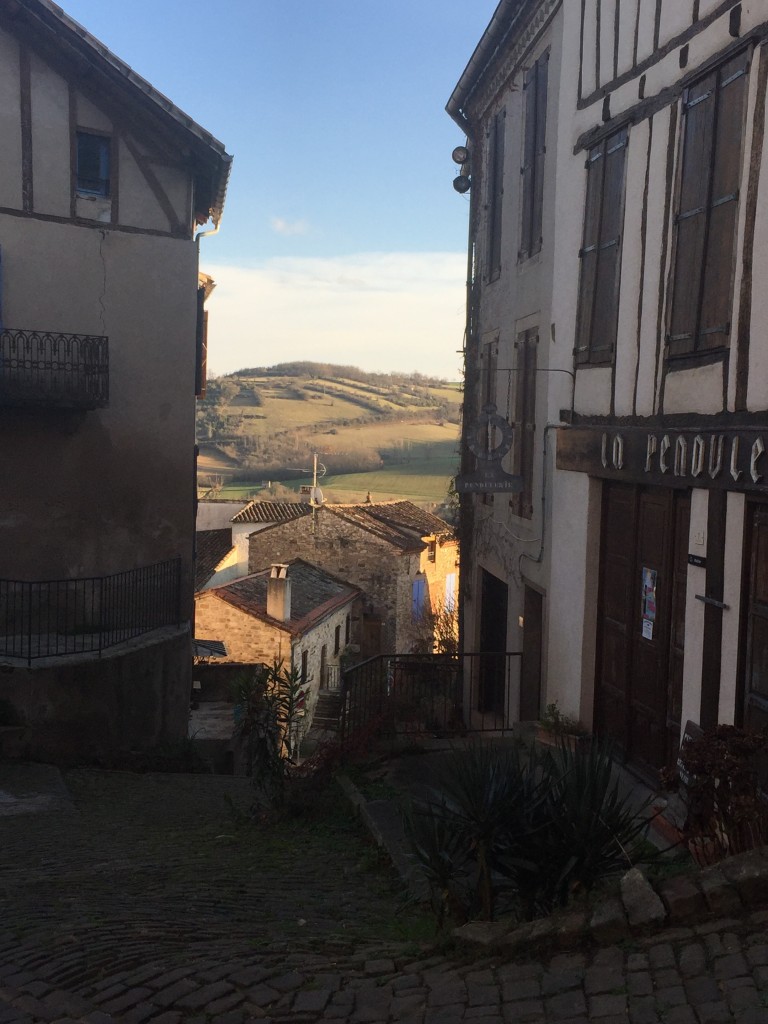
[[43, 368], [52, 618], [331, 678], [439, 694]]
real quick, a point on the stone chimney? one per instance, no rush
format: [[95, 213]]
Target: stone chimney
[[279, 593]]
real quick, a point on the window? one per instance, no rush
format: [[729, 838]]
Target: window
[[708, 200], [495, 193], [304, 667], [431, 550], [601, 251], [418, 597], [525, 420], [337, 640], [450, 591], [347, 630], [93, 164], [532, 171]]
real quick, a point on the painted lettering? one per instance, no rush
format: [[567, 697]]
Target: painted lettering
[[665, 446], [757, 450], [697, 455], [716, 442], [618, 452], [650, 450], [681, 456], [604, 451], [735, 471]]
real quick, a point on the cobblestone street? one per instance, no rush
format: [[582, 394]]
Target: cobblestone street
[[141, 901]]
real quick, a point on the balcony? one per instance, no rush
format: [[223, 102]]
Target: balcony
[[40, 369], [56, 618]]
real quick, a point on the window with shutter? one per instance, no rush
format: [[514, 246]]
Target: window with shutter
[[495, 193], [707, 210], [418, 597], [93, 164], [532, 171], [601, 251], [525, 420]]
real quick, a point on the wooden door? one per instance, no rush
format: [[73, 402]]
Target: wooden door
[[753, 713], [641, 621], [493, 643]]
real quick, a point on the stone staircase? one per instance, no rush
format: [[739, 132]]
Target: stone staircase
[[327, 711]]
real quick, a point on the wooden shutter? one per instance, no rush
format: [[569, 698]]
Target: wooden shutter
[[532, 171], [601, 251], [707, 210], [525, 420], [495, 193]]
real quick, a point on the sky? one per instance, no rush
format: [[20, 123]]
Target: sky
[[342, 238]]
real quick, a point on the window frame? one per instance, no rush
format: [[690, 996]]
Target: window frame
[[535, 90], [598, 240], [105, 160], [527, 348], [495, 192], [699, 343]]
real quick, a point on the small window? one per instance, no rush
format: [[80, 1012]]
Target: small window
[[418, 597], [337, 640], [347, 630], [93, 164], [450, 592], [431, 550], [304, 667]]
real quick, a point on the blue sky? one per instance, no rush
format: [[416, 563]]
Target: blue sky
[[342, 238]]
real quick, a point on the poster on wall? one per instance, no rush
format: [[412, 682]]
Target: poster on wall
[[648, 601]]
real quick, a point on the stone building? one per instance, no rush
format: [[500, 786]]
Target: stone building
[[104, 185], [402, 558], [615, 315], [294, 613]]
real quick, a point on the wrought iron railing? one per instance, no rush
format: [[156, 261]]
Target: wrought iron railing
[[42, 368], [53, 618], [440, 694]]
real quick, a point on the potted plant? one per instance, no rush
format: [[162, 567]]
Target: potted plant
[[555, 727]]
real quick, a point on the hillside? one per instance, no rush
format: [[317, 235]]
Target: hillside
[[264, 424]]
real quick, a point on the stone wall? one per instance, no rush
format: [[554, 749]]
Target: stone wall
[[134, 698]]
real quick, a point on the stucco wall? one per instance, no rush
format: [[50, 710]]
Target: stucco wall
[[134, 698]]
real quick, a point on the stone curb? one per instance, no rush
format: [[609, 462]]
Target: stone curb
[[688, 901], [723, 890]]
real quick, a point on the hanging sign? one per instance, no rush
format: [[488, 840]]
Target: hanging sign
[[489, 440]]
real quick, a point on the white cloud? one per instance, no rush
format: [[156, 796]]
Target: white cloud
[[379, 311], [289, 228]]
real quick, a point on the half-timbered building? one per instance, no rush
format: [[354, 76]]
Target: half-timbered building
[[648, 536]]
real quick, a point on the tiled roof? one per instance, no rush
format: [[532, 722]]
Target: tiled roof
[[314, 593], [400, 522], [211, 547], [272, 511]]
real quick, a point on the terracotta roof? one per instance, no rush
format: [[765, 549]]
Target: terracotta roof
[[68, 38], [400, 522], [211, 547], [314, 594], [272, 511]]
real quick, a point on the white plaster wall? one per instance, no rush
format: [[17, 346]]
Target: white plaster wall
[[645, 26], [627, 16], [607, 39], [729, 662], [573, 594], [50, 140], [589, 51], [694, 610], [593, 390], [217, 515], [698, 389], [676, 16]]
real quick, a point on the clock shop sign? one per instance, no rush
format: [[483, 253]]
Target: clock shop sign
[[732, 459]]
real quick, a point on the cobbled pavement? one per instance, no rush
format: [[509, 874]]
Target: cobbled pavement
[[139, 903]]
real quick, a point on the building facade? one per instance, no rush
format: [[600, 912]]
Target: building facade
[[651, 407], [403, 559], [104, 183]]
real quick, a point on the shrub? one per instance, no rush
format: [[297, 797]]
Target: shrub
[[529, 829], [726, 810]]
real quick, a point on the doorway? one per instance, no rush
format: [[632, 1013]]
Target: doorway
[[752, 712], [641, 621], [530, 669], [494, 602]]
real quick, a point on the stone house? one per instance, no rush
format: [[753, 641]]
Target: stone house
[[104, 187], [615, 324], [401, 557], [295, 613]]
